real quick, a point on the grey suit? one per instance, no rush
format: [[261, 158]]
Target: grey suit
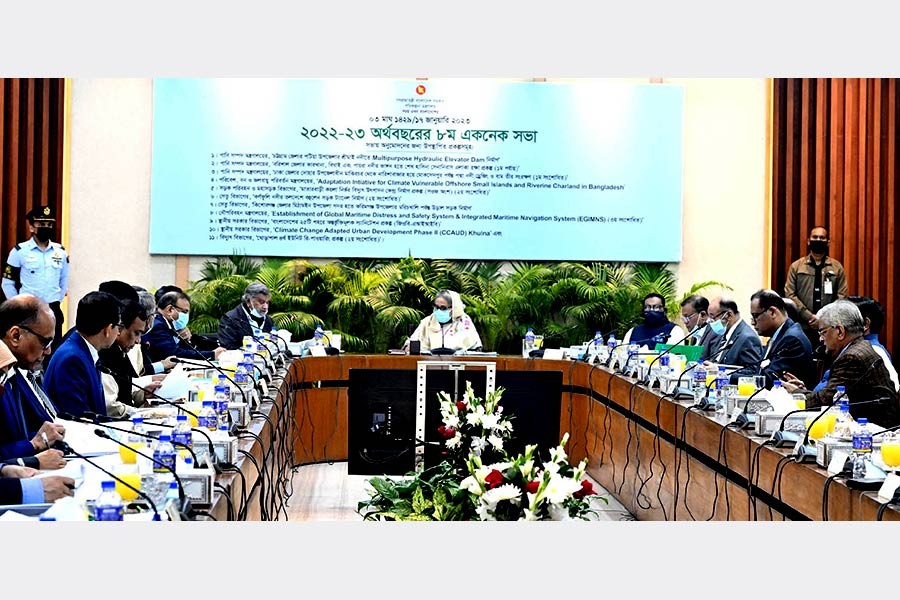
[[709, 340], [743, 348]]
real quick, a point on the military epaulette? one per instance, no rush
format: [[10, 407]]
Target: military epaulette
[[62, 247], [18, 247]]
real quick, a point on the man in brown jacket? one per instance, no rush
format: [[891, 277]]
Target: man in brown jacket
[[856, 366], [814, 281]]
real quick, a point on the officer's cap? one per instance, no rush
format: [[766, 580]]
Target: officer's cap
[[41, 215]]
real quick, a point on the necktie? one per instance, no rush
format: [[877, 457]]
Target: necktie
[[39, 392], [721, 348]]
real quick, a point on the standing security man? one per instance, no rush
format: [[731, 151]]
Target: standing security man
[[39, 266]]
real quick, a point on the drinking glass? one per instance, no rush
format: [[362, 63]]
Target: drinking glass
[[129, 474], [746, 386], [890, 451]]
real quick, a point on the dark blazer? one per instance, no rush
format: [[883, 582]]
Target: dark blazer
[[744, 347], [10, 490], [15, 440], [789, 351], [234, 325], [162, 342], [708, 340], [114, 359], [861, 370], [72, 379]]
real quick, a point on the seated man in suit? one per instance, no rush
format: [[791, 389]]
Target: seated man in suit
[[739, 345], [27, 428], [250, 317], [657, 328], [169, 335], [856, 366], [788, 348], [72, 378], [695, 314]]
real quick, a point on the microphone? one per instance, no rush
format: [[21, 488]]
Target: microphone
[[143, 495], [287, 351], [185, 504], [742, 421], [803, 454], [667, 351], [443, 350], [621, 327], [94, 421]]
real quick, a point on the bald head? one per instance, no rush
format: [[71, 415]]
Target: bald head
[[27, 326]]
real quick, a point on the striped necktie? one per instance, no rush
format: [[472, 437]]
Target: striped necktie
[[39, 392]]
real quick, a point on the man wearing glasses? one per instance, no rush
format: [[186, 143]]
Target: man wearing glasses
[[695, 314], [657, 328], [856, 366], [72, 378], [788, 349], [165, 337], [738, 345]]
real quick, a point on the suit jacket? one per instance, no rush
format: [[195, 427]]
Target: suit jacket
[[861, 370], [744, 347], [234, 325], [10, 491], [72, 379], [709, 340], [162, 342], [15, 440], [789, 351], [114, 359]]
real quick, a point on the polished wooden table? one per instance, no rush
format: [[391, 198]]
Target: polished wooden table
[[661, 459]]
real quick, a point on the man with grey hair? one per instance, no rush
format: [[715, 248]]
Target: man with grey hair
[[856, 366], [250, 317]]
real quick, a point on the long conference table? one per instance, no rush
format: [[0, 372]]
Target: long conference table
[[661, 460]]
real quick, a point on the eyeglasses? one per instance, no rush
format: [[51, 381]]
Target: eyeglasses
[[824, 329], [439, 307], [654, 308], [46, 341], [181, 310], [756, 316], [687, 318]]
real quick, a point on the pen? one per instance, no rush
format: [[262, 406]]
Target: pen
[[46, 442]]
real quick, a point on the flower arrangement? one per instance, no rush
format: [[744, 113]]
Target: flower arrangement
[[478, 480]]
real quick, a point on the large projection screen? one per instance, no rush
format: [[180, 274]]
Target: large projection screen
[[382, 168]]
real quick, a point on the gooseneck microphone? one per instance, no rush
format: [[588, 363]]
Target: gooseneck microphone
[[181, 495], [216, 367], [443, 350], [156, 517], [667, 351], [96, 421]]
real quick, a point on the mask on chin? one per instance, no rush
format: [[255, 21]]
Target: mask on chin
[[653, 318], [818, 247], [255, 313]]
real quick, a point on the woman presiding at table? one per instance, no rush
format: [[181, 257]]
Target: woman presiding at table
[[448, 328]]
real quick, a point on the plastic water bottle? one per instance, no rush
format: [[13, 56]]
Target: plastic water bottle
[[722, 380], [163, 454], [529, 342], [862, 448], [109, 506], [172, 496], [318, 335], [182, 433], [843, 423], [631, 362], [185, 465], [659, 370], [221, 397], [698, 383], [207, 417], [834, 411]]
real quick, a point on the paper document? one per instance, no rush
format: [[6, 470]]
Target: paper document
[[143, 381], [175, 385], [82, 439]]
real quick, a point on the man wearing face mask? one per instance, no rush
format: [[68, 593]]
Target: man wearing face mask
[[695, 315], [250, 317], [739, 344], [657, 329], [814, 281], [39, 266], [165, 336]]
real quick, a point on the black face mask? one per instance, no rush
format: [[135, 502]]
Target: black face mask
[[818, 246], [43, 234], [653, 318]]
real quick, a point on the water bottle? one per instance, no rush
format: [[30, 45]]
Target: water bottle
[[163, 454], [834, 411], [721, 381], [318, 335], [631, 360], [659, 370], [109, 506], [208, 418], [862, 448], [182, 434], [185, 465], [529, 343], [172, 496], [698, 383], [221, 398], [843, 423]]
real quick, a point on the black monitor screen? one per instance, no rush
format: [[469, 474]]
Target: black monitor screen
[[382, 420]]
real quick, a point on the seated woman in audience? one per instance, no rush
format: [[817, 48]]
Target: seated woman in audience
[[448, 328]]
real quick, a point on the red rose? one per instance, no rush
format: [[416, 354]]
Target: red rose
[[586, 490], [493, 479], [446, 432], [532, 487], [461, 406]]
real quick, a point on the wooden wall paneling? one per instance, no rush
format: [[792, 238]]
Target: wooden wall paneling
[[892, 171], [804, 169]]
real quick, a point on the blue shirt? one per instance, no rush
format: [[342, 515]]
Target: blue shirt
[[41, 273], [32, 490]]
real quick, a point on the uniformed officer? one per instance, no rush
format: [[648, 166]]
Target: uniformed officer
[[39, 266]]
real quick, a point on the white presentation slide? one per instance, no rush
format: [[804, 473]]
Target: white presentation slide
[[385, 168]]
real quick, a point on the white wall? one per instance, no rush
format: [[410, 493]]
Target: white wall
[[724, 226]]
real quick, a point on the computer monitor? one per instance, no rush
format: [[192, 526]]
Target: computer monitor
[[382, 414]]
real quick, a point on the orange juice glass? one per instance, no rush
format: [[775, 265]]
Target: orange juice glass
[[819, 428], [746, 386], [127, 454], [890, 452], [130, 476]]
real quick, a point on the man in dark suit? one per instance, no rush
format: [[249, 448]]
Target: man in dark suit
[[115, 358], [250, 317], [27, 430], [738, 345], [695, 313], [788, 349], [72, 378], [856, 366], [169, 335]]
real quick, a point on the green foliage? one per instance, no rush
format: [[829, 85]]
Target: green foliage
[[374, 304], [433, 495]]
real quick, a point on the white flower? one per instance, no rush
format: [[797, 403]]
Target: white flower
[[451, 421], [526, 468], [558, 455], [558, 513], [477, 445], [484, 513], [455, 441], [471, 485], [490, 421], [529, 515], [560, 488], [507, 491], [474, 418], [500, 466], [551, 467], [496, 442]]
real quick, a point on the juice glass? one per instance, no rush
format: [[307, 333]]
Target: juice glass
[[127, 454], [746, 386], [130, 475], [890, 451], [819, 428]]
